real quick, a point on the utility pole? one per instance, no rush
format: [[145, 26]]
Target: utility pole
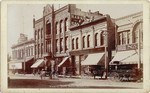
[[105, 34]]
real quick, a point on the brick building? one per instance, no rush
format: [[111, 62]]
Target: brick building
[[22, 55], [69, 35]]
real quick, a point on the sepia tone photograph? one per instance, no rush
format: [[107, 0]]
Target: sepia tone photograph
[[75, 46]]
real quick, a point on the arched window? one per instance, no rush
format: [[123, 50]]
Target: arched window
[[48, 28], [61, 44], [56, 28], [96, 39], [77, 43], [41, 32], [83, 41], [66, 43], [135, 32], [72, 43], [101, 39], [66, 25], [88, 41], [61, 26]]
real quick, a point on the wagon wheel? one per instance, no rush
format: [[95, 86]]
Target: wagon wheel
[[114, 76]]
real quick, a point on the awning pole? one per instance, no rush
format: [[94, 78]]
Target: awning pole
[[139, 46]]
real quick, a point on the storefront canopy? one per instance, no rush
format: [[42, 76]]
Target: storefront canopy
[[63, 61], [37, 63], [126, 57], [17, 64], [93, 59]]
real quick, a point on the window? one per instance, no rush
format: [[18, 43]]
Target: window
[[77, 43], [66, 43], [128, 37], [35, 34], [119, 38], [66, 24], [61, 26], [38, 49], [96, 39], [48, 47], [32, 50], [56, 45], [72, 43], [88, 41], [41, 32], [35, 49], [48, 28], [41, 48], [83, 41], [56, 27], [38, 33], [101, 39], [61, 44]]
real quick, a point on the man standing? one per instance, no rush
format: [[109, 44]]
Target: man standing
[[52, 68]]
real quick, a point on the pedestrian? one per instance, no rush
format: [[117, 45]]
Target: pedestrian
[[42, 73], [34, 72]]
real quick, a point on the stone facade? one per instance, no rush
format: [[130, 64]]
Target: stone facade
[[22, 52]]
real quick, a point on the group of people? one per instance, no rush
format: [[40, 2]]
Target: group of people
[[50, 70]]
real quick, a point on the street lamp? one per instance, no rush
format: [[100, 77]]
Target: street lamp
[[105, 34]]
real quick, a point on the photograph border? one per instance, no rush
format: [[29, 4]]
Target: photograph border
[[146, 47]]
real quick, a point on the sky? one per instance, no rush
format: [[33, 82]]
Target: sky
[[20, 16]]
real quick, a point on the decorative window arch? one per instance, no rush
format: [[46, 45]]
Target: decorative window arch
[[61, 26], [88, 41], [48, 27], [77, 43], [83, 41], [56, 28], [135, 32], [66, 24]]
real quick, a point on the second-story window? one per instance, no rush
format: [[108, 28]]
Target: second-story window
[[56, 45], [38, 33], [35, 34], [66, 24], [96, 39], [61, 44], [101, 39], [61, 26], [83, 41], [72, 44], [56, 28], [77, 43], [48, 28], [66, 43], [41, 32], [88, 41]]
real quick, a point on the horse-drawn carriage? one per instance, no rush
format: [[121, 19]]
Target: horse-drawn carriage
[[125, 75]]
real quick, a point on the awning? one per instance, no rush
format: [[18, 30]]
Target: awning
[[37, 63], [63, 61], [93, 59], [126, 57]]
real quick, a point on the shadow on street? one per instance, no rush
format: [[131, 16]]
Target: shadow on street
[[32, 83]]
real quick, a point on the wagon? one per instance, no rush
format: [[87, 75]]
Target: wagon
[[125, 75]]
